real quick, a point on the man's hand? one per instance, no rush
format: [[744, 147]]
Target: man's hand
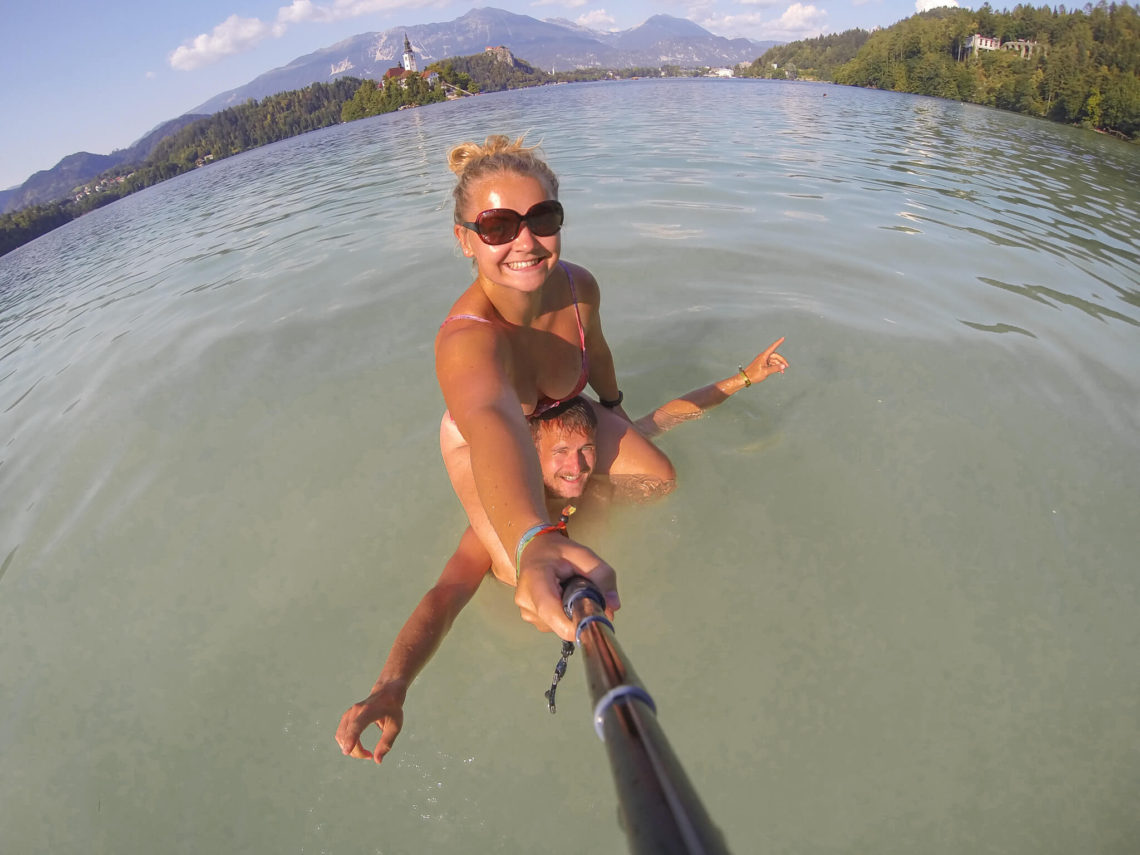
[[385, 707], [768, 362], [548, 561]]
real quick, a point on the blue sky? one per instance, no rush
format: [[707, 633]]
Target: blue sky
[[84, 76]]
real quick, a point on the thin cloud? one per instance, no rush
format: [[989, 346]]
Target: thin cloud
[[927, 5], [569, 4], [599, 19], [238, 35], [799, 17], [233, 35], [799, 21], [305, 11]]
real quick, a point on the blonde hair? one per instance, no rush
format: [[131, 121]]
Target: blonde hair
[[473, 162]]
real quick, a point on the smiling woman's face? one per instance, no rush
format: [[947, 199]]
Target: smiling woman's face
[[521, 264]]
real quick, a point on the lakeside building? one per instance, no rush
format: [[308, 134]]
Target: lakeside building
[[978, 42], [1023, 47], [401, 72], [409, 55]]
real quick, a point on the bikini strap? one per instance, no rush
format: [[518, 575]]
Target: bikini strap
[[577, 313], [451, 318]]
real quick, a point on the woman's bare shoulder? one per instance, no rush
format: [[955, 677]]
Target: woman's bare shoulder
[[470, 323], [467, 333], [585, 283]]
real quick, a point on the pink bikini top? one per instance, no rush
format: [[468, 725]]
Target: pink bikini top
[[544, 403]]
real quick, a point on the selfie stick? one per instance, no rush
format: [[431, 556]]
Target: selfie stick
[[660, 811]]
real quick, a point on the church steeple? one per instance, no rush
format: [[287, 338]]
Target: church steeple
[[409, 55]]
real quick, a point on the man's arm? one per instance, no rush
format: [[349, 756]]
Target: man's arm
[[415, 644], [696, 403]]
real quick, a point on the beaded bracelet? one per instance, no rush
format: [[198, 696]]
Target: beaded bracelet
[[529, 535], [747, 382]]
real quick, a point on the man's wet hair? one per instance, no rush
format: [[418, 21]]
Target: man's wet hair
[[574, 415]]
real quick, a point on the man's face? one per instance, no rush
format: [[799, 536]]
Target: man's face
[[567, 460]]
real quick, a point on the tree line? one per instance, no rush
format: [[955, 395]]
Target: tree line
[[813, 59], [491, 74], [1084, 69], [473, 75], [374, 97], [226, 133]]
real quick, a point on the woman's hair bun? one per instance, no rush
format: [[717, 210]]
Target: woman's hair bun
[[467, 153], [472, 161]]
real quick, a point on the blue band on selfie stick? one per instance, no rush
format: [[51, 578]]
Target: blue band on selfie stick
[[616, 695], [590, 619], [587, 591]]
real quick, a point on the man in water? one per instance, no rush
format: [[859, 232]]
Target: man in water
[[564, 440]]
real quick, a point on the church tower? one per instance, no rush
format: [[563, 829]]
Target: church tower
[[409, 55]]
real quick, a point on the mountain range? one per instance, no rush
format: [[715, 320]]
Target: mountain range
[[75, 170], [554, 45]]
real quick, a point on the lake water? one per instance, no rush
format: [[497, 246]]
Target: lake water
[[892, 608]]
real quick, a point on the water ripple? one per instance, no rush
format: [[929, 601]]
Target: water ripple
[[220, 471]]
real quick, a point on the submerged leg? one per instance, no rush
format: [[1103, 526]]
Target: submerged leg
[[638, 470]]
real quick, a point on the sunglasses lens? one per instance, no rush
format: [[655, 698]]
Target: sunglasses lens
[[545, 218], [502, 225], [497, 227]]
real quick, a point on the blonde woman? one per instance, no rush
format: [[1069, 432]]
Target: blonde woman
[[525, 335]]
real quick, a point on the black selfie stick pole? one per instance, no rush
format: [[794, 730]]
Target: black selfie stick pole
[[660, 810]]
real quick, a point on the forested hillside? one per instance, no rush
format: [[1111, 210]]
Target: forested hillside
[[75, 170], [492, 74], [1083, 66], [249, 125], [208, 139], [373, 97], [814, 59]]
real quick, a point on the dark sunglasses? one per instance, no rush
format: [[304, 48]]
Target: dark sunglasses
[[502, 225]]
